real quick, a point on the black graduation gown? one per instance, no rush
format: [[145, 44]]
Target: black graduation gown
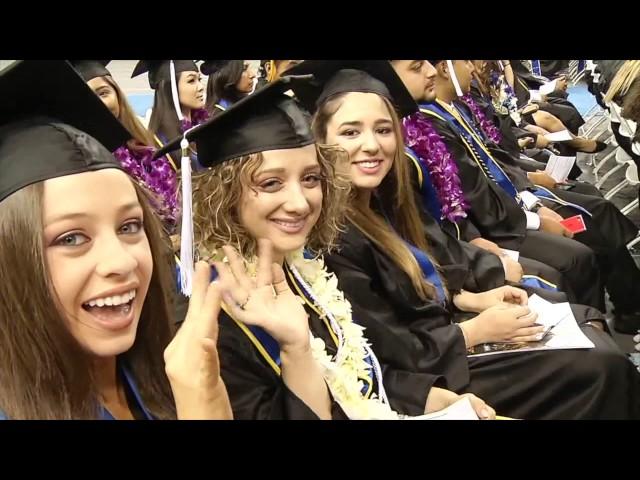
[[511, 133], [404, 330], [257, 392], [500, 219], [608, 231], [555, 104], [463, 264]]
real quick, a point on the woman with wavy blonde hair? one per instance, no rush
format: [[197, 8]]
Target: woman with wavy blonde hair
[[269, 204]]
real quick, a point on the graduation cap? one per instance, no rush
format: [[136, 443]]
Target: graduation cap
[[165, 70], [161, 69], [265, 120], [332, 77], [209, 67], [64, 96], [90, 69], [54, 128]]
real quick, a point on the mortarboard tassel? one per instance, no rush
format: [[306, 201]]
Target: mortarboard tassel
[[186, 233], [174, 91], [454, 79]]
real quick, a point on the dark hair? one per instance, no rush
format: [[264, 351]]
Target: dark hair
[[222, 84], [44, 372], [164, 120]]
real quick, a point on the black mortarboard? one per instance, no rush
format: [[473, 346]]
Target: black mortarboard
[[332, 77], [209, 67], [264, 120], [90, 69], [160, 69], [53, 128]]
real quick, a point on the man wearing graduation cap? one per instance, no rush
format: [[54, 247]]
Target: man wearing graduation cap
[[84, 298], [386, 301], [480, 163], [496, 216]]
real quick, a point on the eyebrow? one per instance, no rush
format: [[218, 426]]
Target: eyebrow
[[76, 215], [350, 124], [270, 170], [282, 170], [357, 124]]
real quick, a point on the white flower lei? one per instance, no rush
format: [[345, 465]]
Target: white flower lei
[[343, 372], [506, 102]]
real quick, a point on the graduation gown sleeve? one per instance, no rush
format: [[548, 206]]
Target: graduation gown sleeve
[[497, 216], [463, 265], [255, 390]]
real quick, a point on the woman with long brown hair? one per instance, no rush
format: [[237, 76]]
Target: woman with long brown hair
[[397, 291], [85, 323], [158, 175]]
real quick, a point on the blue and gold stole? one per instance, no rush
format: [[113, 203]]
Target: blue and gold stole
[[427, 191], [429, 271], [473, 143], [472, 139]]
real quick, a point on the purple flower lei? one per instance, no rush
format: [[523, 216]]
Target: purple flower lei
[[157, 175], [198, 116], [422, 137], [488, 127]]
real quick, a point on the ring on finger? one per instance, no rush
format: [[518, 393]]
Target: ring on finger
[[244, 304]]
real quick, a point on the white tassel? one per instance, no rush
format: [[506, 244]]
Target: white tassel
[[501, 65], [186, 233], [454, 79], [174, 91]]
